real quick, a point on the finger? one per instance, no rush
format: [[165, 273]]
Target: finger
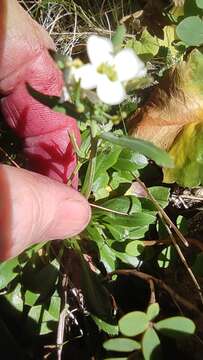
[[21, 40], [24, 58], [34, 208]]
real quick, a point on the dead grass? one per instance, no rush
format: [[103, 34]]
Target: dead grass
[[70, 22]]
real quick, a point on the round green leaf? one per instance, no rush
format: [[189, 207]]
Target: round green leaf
[[174, 326], [190, 31], [199, 3], [121, 345], [153, 311], [150, 344], [133, 323]]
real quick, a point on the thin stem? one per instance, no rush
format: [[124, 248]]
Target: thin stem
[[169, 225], [192, 276], [163, 215], [160, 283], [89, 177], [108, 210]]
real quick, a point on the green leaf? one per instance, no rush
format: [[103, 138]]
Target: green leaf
[[147, 46], [140, 146], [164, 258], [190, 31], [176, 326], [107, 159], [54, 306], [30, 298], [53, 102], [153, 311], [161, 194], [150, 345], [134, 248], [110, 329], [123, 204], [46, 322], [8, 271], [15, 298], [198, 265], [187, 152], [135, 220], [96, 295], [199, 3], [40, 280], [118, 37], [133, 323], [121, 345]]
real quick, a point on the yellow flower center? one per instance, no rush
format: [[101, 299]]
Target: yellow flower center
[[108, 70]]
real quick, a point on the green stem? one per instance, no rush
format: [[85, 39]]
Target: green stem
[[89, 177]]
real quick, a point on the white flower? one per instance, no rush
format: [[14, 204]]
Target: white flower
[[108, 71]]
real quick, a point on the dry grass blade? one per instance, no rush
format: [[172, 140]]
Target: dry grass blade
[[170, 225]]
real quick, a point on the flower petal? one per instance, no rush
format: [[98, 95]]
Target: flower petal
[[128, 65], [110, 92], [99, 50], [87, 75]]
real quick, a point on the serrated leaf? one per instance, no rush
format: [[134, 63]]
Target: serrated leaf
[[147, 46], [121, 345], [133, 323], [150, 344], [190, 31], [153, 311], [110, 329], [140, 146], [8, 271], [176, 326]]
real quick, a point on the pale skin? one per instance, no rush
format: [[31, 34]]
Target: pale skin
[[33, 207]]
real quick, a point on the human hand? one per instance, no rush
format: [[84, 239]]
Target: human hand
[[35, 208]]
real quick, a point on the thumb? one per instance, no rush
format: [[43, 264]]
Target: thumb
[[34, 208], [21, 41]]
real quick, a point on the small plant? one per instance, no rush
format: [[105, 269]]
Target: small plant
[[72, 287], [137, 323]]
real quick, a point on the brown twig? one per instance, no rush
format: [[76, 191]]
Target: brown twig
[[152, 299], [9, 157], [62, 317], [163, 214], [167, 241], [184, 261], [160, 283], [170, 225]]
